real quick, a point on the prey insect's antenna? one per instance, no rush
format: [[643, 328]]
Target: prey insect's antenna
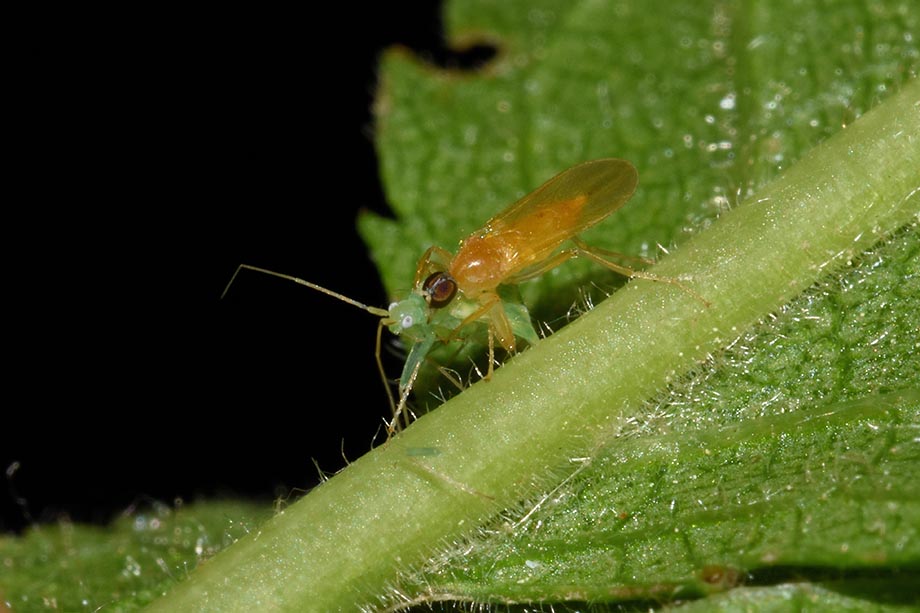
[[372, 310]]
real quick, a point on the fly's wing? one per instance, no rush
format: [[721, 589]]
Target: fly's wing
[[566, 205]]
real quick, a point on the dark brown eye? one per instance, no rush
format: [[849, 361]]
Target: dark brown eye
[[439, 288]]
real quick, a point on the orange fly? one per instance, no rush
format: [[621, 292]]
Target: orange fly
[[521, 243]]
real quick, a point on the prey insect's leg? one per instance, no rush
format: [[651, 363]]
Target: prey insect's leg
[[393, 426], [383, 375], [600, 256]]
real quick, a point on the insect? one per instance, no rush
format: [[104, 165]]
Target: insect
[[523, 242], [478, 283]]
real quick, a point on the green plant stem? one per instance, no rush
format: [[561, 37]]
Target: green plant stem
[[500, 441]]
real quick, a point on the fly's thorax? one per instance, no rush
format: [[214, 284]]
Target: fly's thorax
[[482, 263]]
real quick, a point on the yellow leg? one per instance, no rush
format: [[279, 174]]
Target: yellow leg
[[598, 255], [435, 259], [383, 375], [400, 412]]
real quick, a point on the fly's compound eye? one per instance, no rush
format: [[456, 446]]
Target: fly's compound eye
[[439, 289]]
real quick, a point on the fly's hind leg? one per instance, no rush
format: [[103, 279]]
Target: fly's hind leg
[[601, 256]]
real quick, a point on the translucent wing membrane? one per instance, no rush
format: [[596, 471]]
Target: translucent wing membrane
[[563, 207]]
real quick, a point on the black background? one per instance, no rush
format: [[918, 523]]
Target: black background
[[154, 156]]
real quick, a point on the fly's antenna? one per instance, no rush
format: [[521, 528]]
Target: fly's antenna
[[383, 313], [385, 320]]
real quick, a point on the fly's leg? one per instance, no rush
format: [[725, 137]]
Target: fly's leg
[[435, 259], [452, 376], [601, 256], [490, 306], [491, 354], [535, 271], [383, 314]]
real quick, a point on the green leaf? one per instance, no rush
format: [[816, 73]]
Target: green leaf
[[654, 449], [70, 567]]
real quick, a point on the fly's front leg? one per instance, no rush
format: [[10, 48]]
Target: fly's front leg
[[435, 259], [490, 306]]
